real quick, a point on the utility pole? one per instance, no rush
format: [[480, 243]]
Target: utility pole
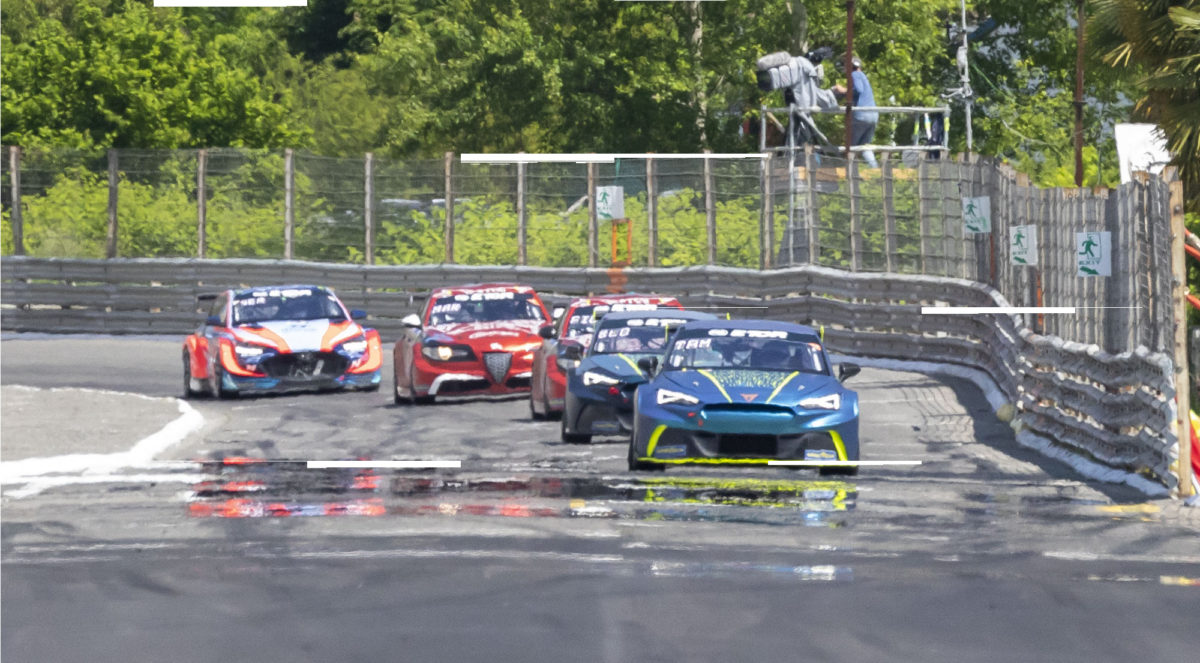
[[849, 64]]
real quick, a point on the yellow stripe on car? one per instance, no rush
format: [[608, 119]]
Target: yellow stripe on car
[[654, 439], [709, 375], [781, 386], [630, 362]]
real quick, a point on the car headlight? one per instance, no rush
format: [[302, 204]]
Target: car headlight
[[666, 397], [830, 402], [592, 377], [355, 347], [248, 351], [446, 352]]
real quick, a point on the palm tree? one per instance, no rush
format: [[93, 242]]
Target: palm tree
[[1158, 43]]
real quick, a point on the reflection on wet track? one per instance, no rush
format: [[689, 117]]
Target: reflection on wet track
[[250, 488]]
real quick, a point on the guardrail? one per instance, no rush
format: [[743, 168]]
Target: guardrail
[[1116, 410]]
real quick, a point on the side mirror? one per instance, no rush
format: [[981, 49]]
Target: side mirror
[[411, 320], [648, 364], [214, 321], [557, 313], [847, 371], [572, 351], [546, 332], [358, 314]]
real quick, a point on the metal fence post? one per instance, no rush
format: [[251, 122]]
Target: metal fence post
[[289, 203], [369, 208], [651, 215], [856, 238], [449, 226], [923, 210], [110, 248], [17, 223], [889, 216], [767, 237], [522, 256], [201, 205], [812, 214], [710, 210], [592, 223]]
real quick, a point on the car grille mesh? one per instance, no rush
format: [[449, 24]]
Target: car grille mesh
[[497, 364]]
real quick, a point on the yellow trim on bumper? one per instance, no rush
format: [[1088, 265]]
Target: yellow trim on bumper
[[654, 439]]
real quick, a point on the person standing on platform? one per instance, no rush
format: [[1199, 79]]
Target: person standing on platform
[[862, 127]]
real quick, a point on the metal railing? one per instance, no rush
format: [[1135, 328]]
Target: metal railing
[[762, 212]]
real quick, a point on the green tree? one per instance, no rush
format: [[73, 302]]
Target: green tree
[[129, 75], [1157, 44]]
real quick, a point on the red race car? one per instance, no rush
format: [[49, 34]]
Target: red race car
[[574, 328], [476, 340]]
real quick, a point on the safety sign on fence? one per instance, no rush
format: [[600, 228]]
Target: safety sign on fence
[[610, 203], [1022, 245], [977, 214], [1093, 253]]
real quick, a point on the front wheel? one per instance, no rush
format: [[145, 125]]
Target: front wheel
[[573, 438], [219, 389], [636, 465], [188, 390]]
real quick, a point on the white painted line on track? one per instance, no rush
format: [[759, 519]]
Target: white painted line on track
[[40, 473], [382, 464]]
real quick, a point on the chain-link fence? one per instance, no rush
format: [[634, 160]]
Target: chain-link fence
[[914, 214]]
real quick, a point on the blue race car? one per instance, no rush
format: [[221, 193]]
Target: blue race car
[[599, 398], [745, 392]]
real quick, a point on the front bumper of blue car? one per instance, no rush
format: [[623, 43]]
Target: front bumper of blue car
[[745, 435]]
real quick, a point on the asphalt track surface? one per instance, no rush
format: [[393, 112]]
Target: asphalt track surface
[[538, 551]]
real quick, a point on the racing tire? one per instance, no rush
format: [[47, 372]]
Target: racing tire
[[188, 392], [396, 397], [574, 438], [636, 465], [219, 385], [533, 413]]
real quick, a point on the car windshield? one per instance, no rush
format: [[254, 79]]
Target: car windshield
[[285, 304], [484, 307], [633, 335], [757, 349], [583, 318]]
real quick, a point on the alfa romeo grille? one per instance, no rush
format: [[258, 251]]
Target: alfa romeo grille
[[497, 364]]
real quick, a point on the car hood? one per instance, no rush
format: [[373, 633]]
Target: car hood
[[488, 335], [298, 335], [620, 365], [719, 385]]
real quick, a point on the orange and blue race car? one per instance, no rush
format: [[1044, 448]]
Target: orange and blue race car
[[475, 340], [574, 328], [280, 338]]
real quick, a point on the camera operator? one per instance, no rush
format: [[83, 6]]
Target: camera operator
[[862, 127]]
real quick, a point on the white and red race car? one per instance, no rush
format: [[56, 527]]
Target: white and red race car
[[280, 338], [475, 340]]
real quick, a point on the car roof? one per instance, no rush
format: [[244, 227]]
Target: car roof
[[764, 325], [682, 314], [480, 287], [625, 298], [238, 292]]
